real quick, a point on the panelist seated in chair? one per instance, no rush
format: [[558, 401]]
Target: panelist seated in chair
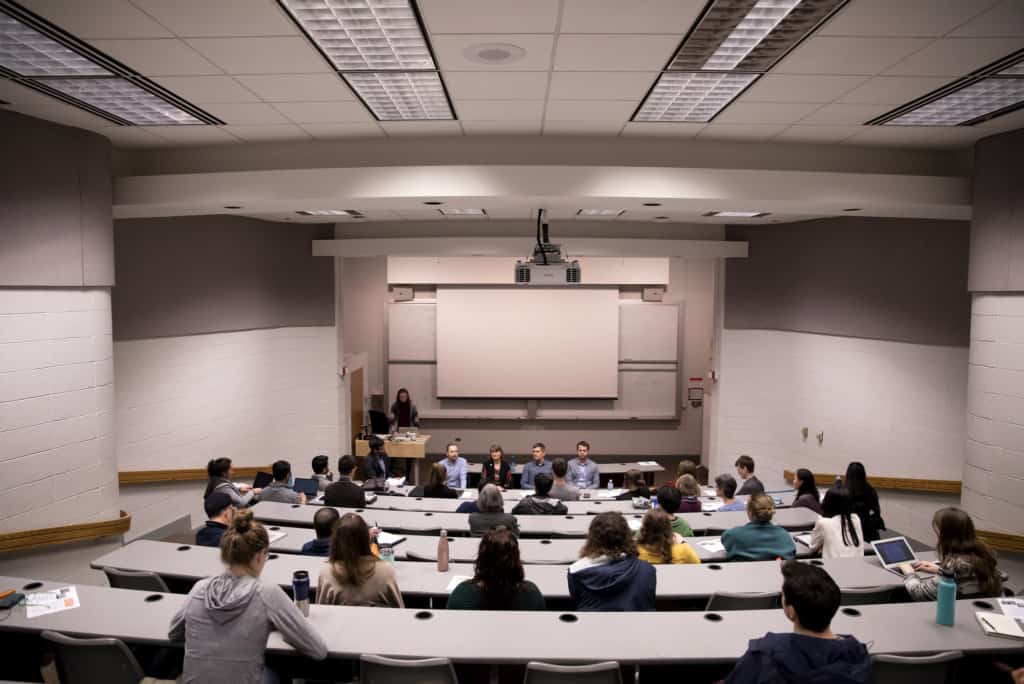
[[583, 472], [345, 492], [220, 511], [455, 467], [496, 470]]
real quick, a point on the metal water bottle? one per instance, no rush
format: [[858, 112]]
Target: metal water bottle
[[442, 552], [945, 605], [300, 590]]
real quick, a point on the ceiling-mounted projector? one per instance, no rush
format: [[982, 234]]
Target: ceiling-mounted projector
[[548, 266]]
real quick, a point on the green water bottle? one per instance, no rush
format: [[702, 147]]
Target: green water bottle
[[945, 605]]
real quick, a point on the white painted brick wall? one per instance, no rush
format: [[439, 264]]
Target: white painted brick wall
[[899, 408], [254, 396], [56, 408], [994, 470]]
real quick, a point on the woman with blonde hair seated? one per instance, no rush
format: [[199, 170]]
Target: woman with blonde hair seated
[[353, 576], [759, 539], [657, 543], [688, 487]]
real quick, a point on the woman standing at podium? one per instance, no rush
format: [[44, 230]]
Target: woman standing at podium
[[403, 412]]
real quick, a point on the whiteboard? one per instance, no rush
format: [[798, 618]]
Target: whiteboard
[[648, 332], [643, 394], [412, 331]]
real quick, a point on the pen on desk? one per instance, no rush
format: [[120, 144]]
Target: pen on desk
[[5, 594], [987, 624]]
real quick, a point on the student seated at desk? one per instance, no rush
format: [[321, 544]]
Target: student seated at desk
[[725, 489], [669, 500], [455, 466], [496, 470], [322, 472], [806, 491], [657, 543], [864, 501], [537, 465], [562, 490], [324, 522], [220, 510], [811, 652], [609, 575], [837, 534], [540, 503], [635, 485], [345, 492], [688, 487], [353, 575], [221, 475], [960, 552], [583, 472], [498, 580], [436, 488], [375, 465], [226, 619], [280, 489], [745, 471], [759, 539], [685, 467], [492, 513]]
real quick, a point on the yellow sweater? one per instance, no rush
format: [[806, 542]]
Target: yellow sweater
[[681, 553]]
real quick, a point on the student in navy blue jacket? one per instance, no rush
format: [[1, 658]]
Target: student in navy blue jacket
[[811, 652], [324, 522], [609, 576], [220, 509]]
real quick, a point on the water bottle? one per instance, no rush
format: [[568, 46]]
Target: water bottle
[[300, 590], [387, 553], [611, 485], [442, 552], [654, 501], [945, 605]]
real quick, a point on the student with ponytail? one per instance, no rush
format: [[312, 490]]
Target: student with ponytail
[[226, 619], [220, 473]]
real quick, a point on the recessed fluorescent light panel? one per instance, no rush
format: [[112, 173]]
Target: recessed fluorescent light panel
[[351, 213], [463, 212], [737, 214], [28, 52], [123, 99], [600, 212], [691, 97], [381, 50]]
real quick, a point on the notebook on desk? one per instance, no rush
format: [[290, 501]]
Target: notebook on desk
[[996, 624]]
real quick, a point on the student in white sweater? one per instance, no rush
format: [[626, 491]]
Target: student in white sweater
[[838, 533]]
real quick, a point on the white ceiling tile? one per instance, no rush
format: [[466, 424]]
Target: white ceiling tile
[[400, 128], [334, 131], [844, 114], [659, 129], [954, 57], [489, 16], [133, 136], [268, 133], [848, 55], [820, 134], [246, 113], [765, 112], [635, 16], [892, 90], [495, 85], [500, 110], [891, 136], [193, 135], [590, 110], [501, 128], [583, 127], [449, 50], [614, 52], [298, 87], [601, 85], [207, 89], [276, 55], [324, 112], [159, 57], [1005, 19], [99, 18], [220, 17], [789, 88], [725, 131], [911, 18]]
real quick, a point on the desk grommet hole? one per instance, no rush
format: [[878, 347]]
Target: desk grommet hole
[[712, 617], [272, 556], [815, 561], [428, 514], [714, 566], [568, 517], [706, 513], [984, 605], [568, 617], [424, 615], [184, 548], [32, 585], [419, 498], [275, 528], [296, 505], [545, 541], [852, 612], [598, 503], [638, 516], [360, 510], [153, 598]]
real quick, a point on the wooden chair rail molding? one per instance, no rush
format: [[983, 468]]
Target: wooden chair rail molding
[[902, 483], [182, 475], [64, 534], [1003, 541]]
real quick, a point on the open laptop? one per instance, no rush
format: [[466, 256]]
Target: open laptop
[[307, 486], [894, 552], [262, 480]]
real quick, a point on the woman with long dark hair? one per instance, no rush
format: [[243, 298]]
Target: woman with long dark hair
[[403, 412], [864, 501], [496, 470], [221, 473], [658, 543], [806, 491], [961, 552], [353, 576], [609, 575], [838, 533], [498, 581]]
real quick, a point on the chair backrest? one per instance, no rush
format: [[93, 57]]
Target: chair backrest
[[730, 601], [375, 669], [82, 661], [865, 595], [140, 580], [939, 668], [379, 424], [598, 673]]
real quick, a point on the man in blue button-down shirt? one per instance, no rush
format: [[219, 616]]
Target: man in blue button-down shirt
[[535, 467], [583, 472], [456, 467]]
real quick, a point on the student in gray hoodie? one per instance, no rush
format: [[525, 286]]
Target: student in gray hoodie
[[226, 620]]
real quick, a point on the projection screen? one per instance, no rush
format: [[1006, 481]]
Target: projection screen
[[527, 343]]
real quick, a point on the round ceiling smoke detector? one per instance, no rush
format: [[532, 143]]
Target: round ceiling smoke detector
[[494, 53]]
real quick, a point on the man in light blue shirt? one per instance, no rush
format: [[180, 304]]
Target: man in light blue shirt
[[725, 489], [583, 472], [535, 467], [456, 467]]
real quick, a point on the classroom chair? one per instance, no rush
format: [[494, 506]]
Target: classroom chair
[[938, 668], [140, 580], [865, 595], [84, 661], [379, 424], [376, 669], [607, 672], [730, 601]]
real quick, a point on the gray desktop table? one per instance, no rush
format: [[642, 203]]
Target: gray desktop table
[[596, 501], [467, 636]]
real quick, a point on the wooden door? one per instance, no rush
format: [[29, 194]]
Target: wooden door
[[355, 399]]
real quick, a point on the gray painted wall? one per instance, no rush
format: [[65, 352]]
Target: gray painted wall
[[889, 279], [55, 205], [997, 224], [203, 274]]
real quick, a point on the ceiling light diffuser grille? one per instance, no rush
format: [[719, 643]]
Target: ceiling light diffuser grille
[[692, 97], [28, 52], [123, 99], [381, 50]]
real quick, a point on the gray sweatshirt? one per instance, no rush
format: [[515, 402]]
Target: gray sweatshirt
[[225, 624]]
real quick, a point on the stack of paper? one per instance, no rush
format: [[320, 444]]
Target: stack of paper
[[276, 535], [54, 601], [467, 494], [712, 545], [711, 506], [994, 624], [389, 538]]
